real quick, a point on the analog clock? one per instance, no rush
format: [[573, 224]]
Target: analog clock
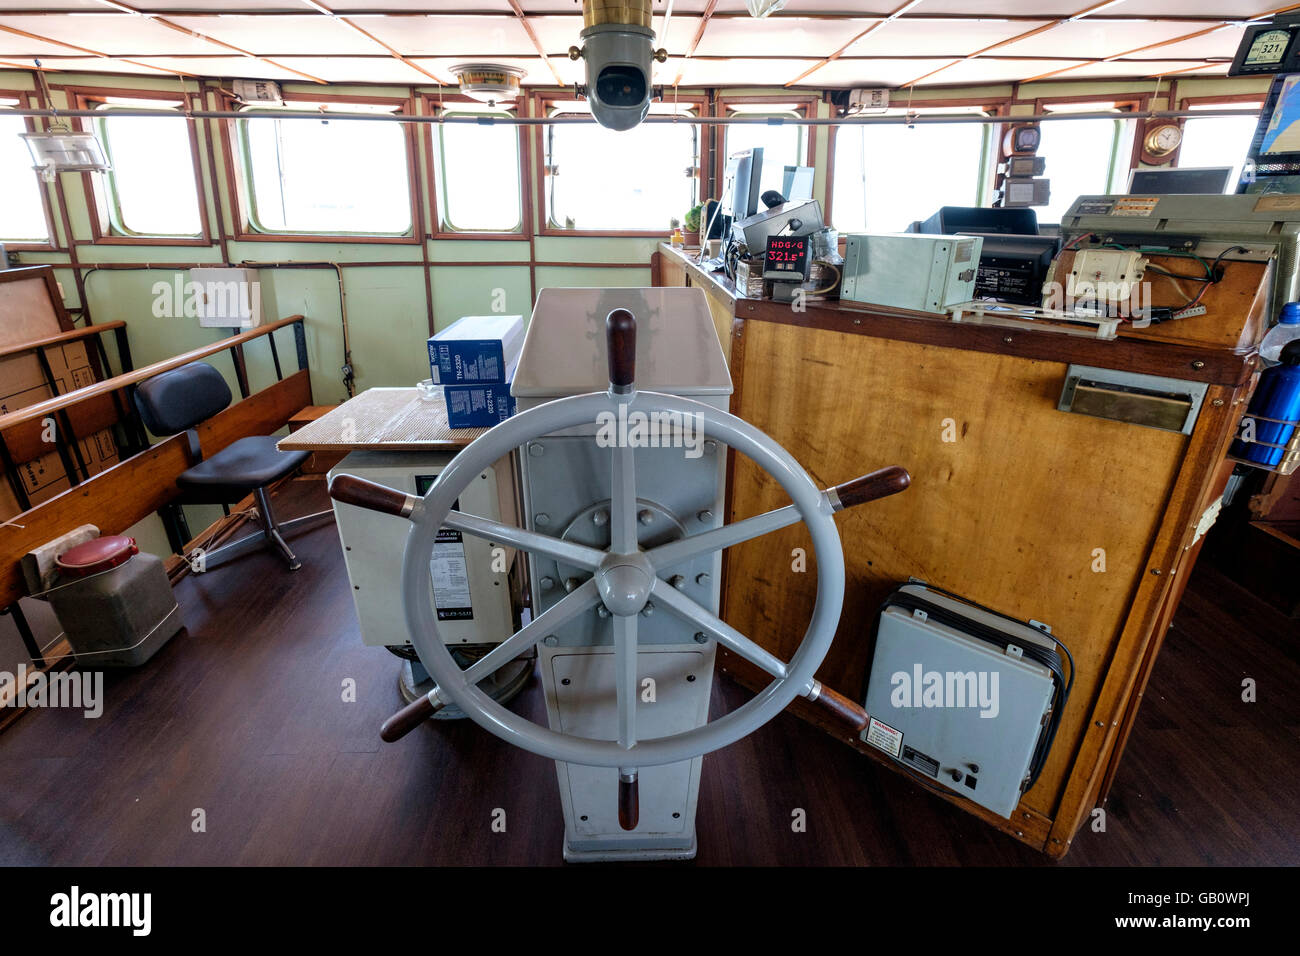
[[1160, 141]]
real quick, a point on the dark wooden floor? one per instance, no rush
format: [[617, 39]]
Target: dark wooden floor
[[242, 717]]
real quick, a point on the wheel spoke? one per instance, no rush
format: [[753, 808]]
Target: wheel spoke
[[722, 632], [622, 500], [531, 541], [625, 686], [561, 612], [683, 549]]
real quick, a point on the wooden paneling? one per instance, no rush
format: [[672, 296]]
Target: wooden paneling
[[117, 498], [1008, 514]]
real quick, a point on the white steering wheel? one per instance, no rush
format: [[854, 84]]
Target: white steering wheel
[[624, 577]]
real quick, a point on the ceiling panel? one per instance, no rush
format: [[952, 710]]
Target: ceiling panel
[[938, 37], [1198, 8], [1120, 68], [110, 33], [536, 73], [784, 36], [240, 67], [15, 46], [385, 69], [1100, 38], [558, 33], [452, 35], [51, 5], [270, 35], [867, 72], [991, 70], [734, 72], [1222, 43]]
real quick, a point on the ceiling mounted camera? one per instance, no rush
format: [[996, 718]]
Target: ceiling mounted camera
[[618, 45]]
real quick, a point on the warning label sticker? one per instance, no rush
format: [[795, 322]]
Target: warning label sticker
[[884, 737], [1135, 206]]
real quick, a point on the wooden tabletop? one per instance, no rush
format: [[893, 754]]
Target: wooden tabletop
[[383, 419]]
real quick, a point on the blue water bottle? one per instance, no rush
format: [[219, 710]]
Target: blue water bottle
[[1277, 397]]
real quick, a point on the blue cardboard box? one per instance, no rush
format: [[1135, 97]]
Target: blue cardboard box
[[480, 406], [477, 349]]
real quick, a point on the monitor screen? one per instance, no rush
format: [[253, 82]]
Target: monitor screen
[[741, 181], [797, 182], [1195, 180], [951, 220]]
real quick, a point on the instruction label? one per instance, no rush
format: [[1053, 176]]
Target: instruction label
[[450, 573], [884, 737]]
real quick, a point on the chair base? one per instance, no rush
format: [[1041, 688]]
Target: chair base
[[271, 535]]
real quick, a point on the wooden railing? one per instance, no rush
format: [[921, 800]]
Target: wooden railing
[[118, 497]]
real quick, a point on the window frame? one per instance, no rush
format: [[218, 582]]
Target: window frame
[[1228, 99], [1123, 103], [998, 108], [237, 181], [433, 104], [51, 243], [541, 105], [803, 104], [99, 194]]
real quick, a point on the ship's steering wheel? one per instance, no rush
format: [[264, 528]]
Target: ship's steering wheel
[[624, 577]]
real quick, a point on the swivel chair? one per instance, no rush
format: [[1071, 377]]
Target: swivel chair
[[178, 401]]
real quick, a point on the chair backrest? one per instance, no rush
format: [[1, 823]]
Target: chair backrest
[[178, 400]]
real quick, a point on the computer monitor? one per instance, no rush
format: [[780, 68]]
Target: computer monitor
[[1172, 181], [951, 220], [797, 182], [742, 182]]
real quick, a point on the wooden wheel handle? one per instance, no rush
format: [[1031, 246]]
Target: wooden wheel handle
[[620, 335], [878, 484], [352, 490], [629, 802], [840, 707], [408, 718]]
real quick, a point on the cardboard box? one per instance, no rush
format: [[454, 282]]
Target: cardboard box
[[480, 406], [478, 349]]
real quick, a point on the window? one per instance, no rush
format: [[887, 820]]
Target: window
[[478, 176], [1218, 140], [888, 176], [637, 180], [1084, 157], [151, 190], [783, 144], [326, 176], [22, 212]]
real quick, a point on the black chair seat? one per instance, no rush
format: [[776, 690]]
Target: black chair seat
[[239, 468]]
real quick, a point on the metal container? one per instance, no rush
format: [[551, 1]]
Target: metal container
[[114, 603]]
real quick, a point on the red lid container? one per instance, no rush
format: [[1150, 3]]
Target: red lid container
[[95, 556]]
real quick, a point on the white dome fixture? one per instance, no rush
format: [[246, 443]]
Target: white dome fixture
[[489, 83]]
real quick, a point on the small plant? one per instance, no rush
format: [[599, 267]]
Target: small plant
[[692, 218]]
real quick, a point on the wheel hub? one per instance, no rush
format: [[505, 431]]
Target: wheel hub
[[624, 582]]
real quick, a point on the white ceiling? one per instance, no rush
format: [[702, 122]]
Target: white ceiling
[[811, 43]]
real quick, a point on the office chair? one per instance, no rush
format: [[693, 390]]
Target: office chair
[[177, 401]]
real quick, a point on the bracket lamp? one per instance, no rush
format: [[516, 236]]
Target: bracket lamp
[[65, 151]]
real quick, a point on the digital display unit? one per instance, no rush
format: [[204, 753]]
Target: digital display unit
[[786, 258], [1267, 48]]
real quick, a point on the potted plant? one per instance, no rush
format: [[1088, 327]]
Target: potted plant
[[691, 221]]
